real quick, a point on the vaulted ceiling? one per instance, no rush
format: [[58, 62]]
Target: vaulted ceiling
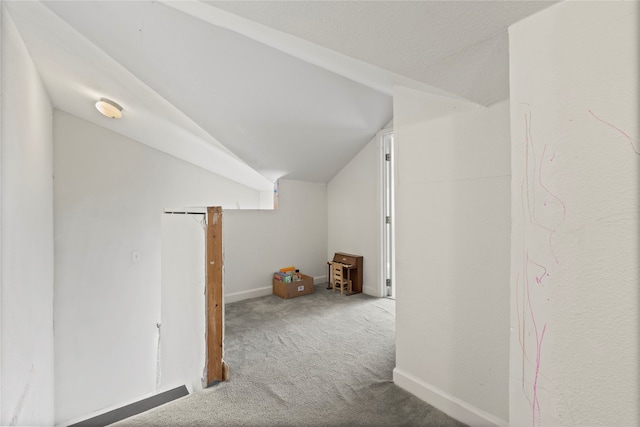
[[257, 91]]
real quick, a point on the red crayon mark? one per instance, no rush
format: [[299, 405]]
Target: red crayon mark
[[564, 207], [535, 407], [532, 185], [521, 326], [530, 195], [632, 143], [542, 274]]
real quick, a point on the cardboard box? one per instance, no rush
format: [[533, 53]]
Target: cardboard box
[[293, 289]]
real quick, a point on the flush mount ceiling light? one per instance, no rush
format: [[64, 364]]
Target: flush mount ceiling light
[[109, 108]]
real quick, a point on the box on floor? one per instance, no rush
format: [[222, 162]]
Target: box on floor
[[293, 289]]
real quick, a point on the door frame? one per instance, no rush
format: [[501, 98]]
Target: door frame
[[216, 369], [387, 208]]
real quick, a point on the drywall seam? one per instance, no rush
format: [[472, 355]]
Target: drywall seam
[[456, 408], [473, 178]]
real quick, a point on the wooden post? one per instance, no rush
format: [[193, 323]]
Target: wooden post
[[214, 296]]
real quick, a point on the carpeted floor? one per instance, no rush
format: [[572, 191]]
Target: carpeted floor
[[316, 360]]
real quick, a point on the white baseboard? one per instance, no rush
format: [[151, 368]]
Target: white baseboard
[[450, 405], [374, 292], [318, 280], [260, 292], [251, 293]]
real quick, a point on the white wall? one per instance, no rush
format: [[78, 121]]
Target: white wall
[[452, 255], [257, 243], [27, 239], [2, 37], [575, 114], [182, 341], [110, 194], [355, 215]]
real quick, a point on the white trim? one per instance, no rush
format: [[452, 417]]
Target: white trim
[[452, 406], [374, 292], [251, 293], [317, 280], [381, 285], [382, 175], [260, 292]]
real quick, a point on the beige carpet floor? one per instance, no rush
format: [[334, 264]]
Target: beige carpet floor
[[318, 360]]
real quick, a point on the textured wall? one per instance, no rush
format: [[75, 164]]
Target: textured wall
[[575, 206]]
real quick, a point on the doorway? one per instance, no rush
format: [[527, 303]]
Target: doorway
[[388, 242]]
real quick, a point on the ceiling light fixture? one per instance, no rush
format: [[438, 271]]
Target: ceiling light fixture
[[109, 108]]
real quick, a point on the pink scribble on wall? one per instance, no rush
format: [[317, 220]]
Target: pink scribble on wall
[[632, 143], [536, 177], [539, 337], [553, 229], [542, 274], [545, 215]]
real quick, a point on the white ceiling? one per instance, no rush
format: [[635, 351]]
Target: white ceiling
[[256, 91], [458, 46]]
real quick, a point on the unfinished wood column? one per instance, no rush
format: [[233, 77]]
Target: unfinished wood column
[[214, 296]]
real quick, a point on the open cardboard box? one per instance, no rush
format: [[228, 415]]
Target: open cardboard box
[[293, 289]]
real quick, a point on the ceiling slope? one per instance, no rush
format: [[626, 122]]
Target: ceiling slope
[[457, 46], [76, 73], [281, 116], [257, 91], [351, 68]]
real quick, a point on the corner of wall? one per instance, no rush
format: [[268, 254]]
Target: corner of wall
[[353, 217], [452, 406], [452, 196], [26, 203], [259, 242]]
